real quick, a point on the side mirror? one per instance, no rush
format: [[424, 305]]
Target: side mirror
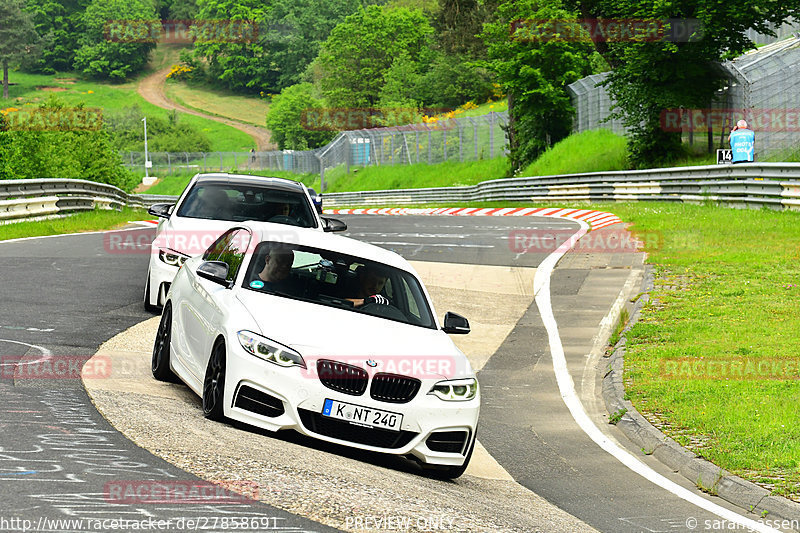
[[455, 324], [215, 271], [160, 210], [333, 224]]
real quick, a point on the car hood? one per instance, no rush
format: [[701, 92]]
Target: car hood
[[321, 332], [190, 236]]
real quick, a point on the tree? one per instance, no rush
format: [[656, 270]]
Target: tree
[[651, 75], [354, 59], [458, 24], [534, 74], [297, 29], [18, 38], [5, 155], [292, 121], [244, 63], [117, 41], [61, 23]]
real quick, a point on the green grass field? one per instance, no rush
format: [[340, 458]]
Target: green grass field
[[31, 89], [219, 102], [97, 220]]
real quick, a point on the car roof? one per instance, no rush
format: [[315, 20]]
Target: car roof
[[245, 179], [267, 231]]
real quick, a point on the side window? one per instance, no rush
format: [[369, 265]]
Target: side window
[[214, 251], [230, 249]]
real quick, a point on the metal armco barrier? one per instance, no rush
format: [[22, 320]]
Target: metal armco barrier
[[29, 198], [773, 185]]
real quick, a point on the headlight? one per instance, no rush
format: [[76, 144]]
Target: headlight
[[269, 350], [456, 390], [172, 258]]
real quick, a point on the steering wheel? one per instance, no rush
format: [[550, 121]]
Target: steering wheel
[[283, 219], [384, 310]]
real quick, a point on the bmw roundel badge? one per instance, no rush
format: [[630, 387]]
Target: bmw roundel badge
[[372, 363]]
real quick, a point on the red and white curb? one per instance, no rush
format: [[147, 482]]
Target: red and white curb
[[595, 219]]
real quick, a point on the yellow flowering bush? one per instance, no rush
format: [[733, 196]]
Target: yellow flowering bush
[[180, 72]]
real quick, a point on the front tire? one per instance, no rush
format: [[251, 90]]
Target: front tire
[[214, 384], [161, 350]]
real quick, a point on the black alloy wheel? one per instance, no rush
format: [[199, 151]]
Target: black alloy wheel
[[214, 383], [161, 348]]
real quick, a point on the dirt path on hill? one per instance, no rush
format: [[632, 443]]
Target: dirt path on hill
[[152, 89]]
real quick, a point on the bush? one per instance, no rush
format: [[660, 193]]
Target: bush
[[291, 124], [163, 134], [30, 151], [453, 80]]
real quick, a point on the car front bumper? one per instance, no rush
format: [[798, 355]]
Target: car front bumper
[[272, 397]]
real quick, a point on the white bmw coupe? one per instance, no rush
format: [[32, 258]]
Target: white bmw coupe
[[290, 328]]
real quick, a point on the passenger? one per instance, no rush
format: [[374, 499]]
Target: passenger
[[276, 274], [216, 203], [371, 282]]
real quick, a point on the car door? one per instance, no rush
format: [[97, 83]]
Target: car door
[[206, 305]]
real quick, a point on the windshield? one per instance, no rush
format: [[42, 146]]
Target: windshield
[[240, 202], [336, 280]]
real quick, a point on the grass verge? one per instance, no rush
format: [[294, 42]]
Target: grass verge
[[97, 220], [174, 184], [448, 174], [32, 89], [713, 359]]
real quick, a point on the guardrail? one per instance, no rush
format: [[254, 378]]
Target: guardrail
[[29, 198], [774, 185]]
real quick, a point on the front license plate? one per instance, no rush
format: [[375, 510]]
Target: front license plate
[[362, 416]]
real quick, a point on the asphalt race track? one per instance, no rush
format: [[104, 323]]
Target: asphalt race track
[[59, 458]]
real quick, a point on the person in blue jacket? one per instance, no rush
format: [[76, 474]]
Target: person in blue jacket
[[743, 142]]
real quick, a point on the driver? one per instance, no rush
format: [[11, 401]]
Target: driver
[[276, 274], [370, 283]]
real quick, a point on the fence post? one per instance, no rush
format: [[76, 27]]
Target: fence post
[[235, 164], [491, 135], [220, 161], [444, 142], [169, 162], [460, 143], [429, 146], [416, 144], [391, 146], [204, 161]]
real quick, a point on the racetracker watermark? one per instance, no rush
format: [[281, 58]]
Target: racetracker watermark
[[362, 118], [415, 366], [605, 240], [181, 31], [43, 119], [180, 492], [55, 367], [187, 242], [759, 119], [739, 368], [606, 30]]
